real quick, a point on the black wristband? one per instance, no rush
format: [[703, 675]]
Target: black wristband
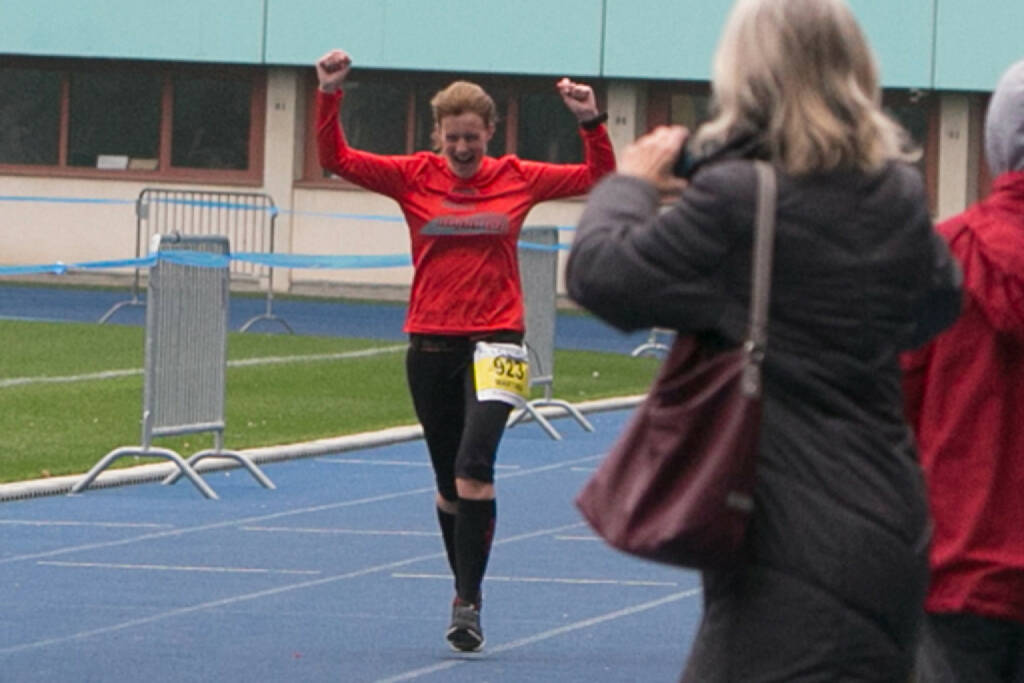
[[594, 122]]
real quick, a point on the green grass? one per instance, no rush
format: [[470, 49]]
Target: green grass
[[58, 428]]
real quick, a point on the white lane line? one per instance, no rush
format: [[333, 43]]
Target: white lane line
[[177, 568], [395, 463], [171, 533], [66, 379], [246, 597], [363, 353], [22, 318], [105, 525], [352, 532], [544, 635], [564, 537], [244, 362], [369, 461], [548, 579]]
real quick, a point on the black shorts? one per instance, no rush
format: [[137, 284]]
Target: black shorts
[[462, 433]]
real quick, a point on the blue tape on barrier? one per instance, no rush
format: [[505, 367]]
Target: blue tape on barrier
[[210, 260], [58, 268], [222, 205], [118, 263], [347, 216], [184, 257], [205, 259], [65, 200], [324, 261], [535, 246], [215, 205]]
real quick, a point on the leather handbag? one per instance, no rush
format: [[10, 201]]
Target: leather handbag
[[678, 485]]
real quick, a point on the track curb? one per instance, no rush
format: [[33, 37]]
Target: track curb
[[143, 474]]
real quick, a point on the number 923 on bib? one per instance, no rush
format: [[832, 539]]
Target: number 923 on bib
[[502, 372]]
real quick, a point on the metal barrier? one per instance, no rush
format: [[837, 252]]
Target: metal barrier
[[538, 271], [245, 218], [186, 361], [654, 346]]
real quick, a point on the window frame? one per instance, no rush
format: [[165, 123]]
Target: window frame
[[929, 147], [252, 176], [660, 93], [416, 83], [979, 108]]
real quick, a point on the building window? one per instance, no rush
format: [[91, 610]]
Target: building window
[[30, 102], [391, 114], [546, 129], [211, 123], [113, 115], [687, 104], [918, 113], [134, 121], [677, 104], [980, 105], [374, 116]]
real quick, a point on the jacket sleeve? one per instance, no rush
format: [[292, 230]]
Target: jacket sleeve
[[637, 267], [379, 173], [940, 304], [915, 376], [555, 181]]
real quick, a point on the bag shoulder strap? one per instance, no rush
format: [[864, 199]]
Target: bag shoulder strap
[[761, 277]]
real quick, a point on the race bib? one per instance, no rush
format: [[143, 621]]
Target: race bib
[[502, 373]]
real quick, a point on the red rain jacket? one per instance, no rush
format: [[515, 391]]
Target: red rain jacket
[[965, 400]]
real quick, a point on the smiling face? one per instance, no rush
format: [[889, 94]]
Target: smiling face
[[463, 139]]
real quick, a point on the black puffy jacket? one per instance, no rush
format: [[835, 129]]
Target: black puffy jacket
[[838, 542]]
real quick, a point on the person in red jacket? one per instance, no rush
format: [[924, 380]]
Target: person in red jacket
[[464, 210], [965, 399]]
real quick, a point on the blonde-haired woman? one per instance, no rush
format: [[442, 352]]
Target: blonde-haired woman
[[464, 210], [836, 566]]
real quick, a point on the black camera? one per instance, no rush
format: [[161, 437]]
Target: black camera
[[744, 146], [687, 162]]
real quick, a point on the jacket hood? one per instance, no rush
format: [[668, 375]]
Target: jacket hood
[[1004, 123]]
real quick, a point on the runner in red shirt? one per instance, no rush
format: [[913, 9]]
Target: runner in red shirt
[[464, 210]]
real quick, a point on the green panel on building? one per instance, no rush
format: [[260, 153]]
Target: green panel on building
[[526, 36], [193, 30]]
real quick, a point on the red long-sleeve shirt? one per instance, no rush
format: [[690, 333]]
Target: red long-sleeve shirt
[[463, 232], [965, 399]]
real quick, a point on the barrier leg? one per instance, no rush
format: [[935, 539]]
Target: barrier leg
[[134, 301], [242, 460], [531, 410], [167, 454], [652, 346]]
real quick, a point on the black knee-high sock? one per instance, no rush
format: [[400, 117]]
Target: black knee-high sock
[[474, 531], [447, 522]]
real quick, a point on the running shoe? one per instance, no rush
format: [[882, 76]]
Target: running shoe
[[465, 634]]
